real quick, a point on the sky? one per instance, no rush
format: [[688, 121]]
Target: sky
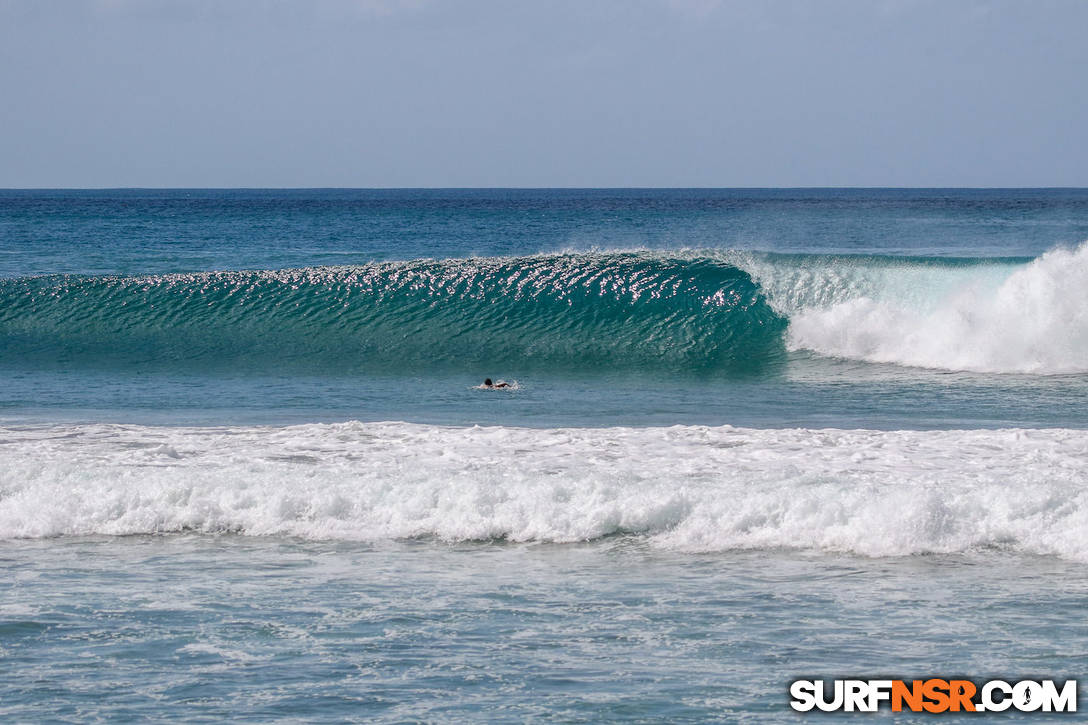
[[570, 93]]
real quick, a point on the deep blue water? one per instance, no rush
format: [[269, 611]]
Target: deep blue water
[[246, 469], [151, 231]]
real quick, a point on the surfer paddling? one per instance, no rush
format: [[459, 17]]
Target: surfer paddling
[[491, 385]]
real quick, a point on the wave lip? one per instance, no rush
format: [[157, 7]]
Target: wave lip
[[686, 488], [553, 312]]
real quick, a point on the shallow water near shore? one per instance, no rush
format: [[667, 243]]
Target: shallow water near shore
[[258, 629]]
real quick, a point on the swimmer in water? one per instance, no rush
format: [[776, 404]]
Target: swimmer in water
[[500, 384]]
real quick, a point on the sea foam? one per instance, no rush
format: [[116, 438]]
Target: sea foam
[[985, 317], [874, 493]]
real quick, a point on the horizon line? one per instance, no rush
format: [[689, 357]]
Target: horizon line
[[541, 188]]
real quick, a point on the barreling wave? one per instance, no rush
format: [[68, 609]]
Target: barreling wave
[[684, 313], [575, 311]]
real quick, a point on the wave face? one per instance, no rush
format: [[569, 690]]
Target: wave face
[[685, 488], [565, 312], [692, 313]]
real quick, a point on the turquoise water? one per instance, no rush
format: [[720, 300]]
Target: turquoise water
[[753, 435]]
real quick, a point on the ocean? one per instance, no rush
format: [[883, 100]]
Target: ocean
[[248, 469]]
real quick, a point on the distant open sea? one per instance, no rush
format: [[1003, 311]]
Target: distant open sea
[[247, 470]]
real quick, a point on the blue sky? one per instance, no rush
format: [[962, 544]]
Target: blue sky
[[390, 93]]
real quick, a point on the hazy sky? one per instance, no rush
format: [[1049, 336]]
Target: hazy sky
[[389, 93]]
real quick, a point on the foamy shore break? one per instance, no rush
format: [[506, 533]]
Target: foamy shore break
[[688, 488]]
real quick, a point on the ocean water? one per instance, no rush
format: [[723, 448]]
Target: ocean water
[[247, 469]]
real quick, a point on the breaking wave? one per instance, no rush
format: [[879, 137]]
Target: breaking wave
[[999, 316], [689, 488], [696, 312]]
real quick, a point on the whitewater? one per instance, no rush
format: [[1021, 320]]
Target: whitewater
[[982, 317], [686, 488]]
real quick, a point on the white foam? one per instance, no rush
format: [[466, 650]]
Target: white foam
[[1030, 318], [226, 653], [690, 488]]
